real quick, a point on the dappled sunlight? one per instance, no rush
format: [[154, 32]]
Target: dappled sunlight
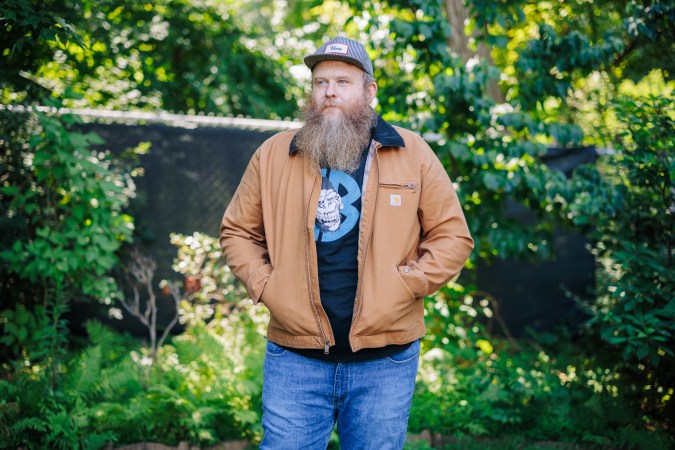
[[552, 119]]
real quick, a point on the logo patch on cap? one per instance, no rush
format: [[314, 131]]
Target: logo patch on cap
[[337, 49]]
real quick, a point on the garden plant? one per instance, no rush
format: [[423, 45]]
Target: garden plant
[[491, 85]]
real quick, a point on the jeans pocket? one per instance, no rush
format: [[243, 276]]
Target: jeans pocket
[[407, 355], [274, 349]]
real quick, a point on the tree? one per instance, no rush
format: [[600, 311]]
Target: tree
[[176, 55]]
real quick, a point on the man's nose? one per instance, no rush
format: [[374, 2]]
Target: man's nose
[[330, 90]]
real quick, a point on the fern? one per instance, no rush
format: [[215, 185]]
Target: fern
[[84, 377], [96, 441], [62, 430], [116, 346], [24, 432], [30, 423], [120, 381], [96, 373]]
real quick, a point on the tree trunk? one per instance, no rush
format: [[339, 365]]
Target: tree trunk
[[458, 14]]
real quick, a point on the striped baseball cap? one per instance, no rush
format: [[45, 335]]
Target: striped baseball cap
[[341, 49]]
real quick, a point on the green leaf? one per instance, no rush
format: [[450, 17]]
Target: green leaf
[[96, 139], [30, 208], [642, 351], [459, 151], [10, 190], [491, 181], [402, 28]]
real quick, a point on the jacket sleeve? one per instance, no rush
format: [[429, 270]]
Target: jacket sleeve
[[242, 233], [445, 241]]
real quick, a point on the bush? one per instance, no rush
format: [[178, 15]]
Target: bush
[[627, 207], [64, 203], [62, 206], [472, 383], [205, 388]]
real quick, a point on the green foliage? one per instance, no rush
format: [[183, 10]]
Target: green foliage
[[492, 108], [206, 389], [62, 207], [627, 205], [25, 330], [473, 383], [71, 201], [27, 29], [491, 149], [48, 418], [532, 74], [177, 55], [209, 284], [63, 222], [206, 384]]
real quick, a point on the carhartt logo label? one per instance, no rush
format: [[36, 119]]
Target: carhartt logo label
[[395, 200], [339, 49]]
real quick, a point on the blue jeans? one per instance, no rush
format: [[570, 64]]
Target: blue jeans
[[303, 398]]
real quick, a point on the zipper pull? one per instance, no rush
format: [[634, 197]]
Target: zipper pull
[[410, 186], [326, 347]]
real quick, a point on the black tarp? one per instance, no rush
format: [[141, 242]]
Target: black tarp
[[192, 173]]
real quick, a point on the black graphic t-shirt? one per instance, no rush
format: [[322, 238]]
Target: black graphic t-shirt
[[336, 232]]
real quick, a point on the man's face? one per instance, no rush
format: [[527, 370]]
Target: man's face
[[338, 86]]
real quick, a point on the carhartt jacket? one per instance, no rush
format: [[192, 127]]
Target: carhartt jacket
[[413, 238]]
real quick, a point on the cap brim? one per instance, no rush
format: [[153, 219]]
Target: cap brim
[[313, 60]]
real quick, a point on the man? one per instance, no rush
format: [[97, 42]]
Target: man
[[341, 229]]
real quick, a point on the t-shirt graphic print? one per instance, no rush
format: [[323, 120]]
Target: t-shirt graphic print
[[339, 206]]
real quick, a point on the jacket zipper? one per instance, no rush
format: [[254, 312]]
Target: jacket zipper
[[359, 300], [326, 341], [395, 185]]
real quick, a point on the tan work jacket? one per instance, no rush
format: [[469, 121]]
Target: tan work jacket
[[413, 238]]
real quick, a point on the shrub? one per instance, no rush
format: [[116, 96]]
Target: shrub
[[62, 207], [627, 207], [472, 383]]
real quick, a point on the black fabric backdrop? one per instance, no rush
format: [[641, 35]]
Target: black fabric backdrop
[[192, 173]]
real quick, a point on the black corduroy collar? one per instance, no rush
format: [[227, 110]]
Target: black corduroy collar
[[383, 133]]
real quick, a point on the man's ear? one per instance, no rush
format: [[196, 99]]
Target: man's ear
[[371, 91]]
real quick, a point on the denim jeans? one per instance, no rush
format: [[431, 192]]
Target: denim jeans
[[303, 398]]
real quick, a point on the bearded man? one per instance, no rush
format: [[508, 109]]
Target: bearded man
[[341, 229]]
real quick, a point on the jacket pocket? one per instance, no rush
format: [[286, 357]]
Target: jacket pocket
[[409, 187], [396, 212], [414, 278], [257, 282], [267, 289], [289, 307]]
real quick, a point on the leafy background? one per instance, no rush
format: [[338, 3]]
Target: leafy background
[[490, 85]]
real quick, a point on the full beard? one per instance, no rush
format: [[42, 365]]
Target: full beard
[[336, 142]]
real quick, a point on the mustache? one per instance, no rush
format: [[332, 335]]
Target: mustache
[[330, 104]]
